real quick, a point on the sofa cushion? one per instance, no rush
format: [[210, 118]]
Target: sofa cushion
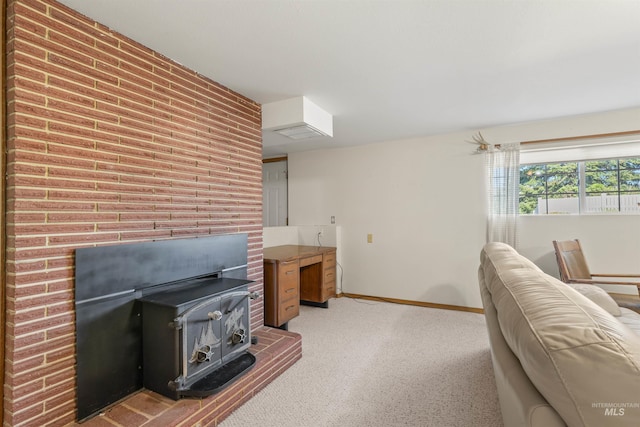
[[578, 356], [599, 296], [631, 319]]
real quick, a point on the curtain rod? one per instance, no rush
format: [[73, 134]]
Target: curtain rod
[[484, 145], [572, 138]]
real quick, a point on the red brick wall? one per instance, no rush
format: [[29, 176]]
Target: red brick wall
[[108, 142]]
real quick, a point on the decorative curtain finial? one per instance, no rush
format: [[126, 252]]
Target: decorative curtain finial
[[482, 144]]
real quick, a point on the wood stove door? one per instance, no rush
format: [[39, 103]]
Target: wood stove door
[[201, 339], [235, 324]]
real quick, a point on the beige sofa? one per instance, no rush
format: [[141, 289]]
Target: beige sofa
[[561, 356]]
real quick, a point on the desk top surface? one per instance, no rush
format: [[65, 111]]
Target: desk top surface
[[289, 252]]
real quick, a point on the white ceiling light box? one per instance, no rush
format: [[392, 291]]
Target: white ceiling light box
[[296, 118]]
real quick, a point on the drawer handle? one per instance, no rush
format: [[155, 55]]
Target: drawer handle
[[289, 272], [288, 291], [289, 307]]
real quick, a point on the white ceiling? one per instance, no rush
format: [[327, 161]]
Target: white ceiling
[[396, 69]]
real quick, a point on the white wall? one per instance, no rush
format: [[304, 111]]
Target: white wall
[[424, 202], [401, 193], [301, 235], [278, 236], [611, 243]]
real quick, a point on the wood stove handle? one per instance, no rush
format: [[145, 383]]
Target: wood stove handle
[[215, 315]]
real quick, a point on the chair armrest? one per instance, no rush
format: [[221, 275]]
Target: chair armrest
[[604, 282], [614, 275]]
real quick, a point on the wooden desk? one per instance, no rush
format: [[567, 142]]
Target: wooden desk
[[296, 274]]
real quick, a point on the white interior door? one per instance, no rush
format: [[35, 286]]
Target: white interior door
[[274, 193]]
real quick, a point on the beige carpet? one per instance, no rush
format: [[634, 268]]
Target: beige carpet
[[366, 363]]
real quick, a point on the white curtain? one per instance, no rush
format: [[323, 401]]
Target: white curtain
[[503, 173]]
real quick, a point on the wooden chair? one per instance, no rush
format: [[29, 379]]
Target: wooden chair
[[574, 269]]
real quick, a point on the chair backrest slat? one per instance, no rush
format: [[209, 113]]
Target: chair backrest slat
[[571, 261]]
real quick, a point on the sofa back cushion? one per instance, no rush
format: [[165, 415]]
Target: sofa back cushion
[[580, 358], [599, 296]]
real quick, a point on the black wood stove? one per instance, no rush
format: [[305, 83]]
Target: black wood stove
[[195, 336], [171, 316]]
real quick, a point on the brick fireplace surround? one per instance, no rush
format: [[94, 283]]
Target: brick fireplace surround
[[109, 142]]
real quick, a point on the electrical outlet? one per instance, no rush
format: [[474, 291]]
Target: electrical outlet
[[333, 219]]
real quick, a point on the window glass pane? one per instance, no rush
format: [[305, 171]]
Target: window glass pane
[[562, 179], [604, 202], [532, 179], [629, 180], [601, 182], [529, 205], [599, 165], [562, 168], [630, 202], [533, 189], [563, 204], [630, 174], [630, 163], [601, 187]]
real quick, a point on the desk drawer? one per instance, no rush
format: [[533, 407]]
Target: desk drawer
[[329, 290], [288, 310], [329, 275], [288, 289], [330, 260], [288, 272]]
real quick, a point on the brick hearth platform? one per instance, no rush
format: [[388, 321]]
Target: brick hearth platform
[[276, 351]]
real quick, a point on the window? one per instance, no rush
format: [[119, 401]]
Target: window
[[592, 186]]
